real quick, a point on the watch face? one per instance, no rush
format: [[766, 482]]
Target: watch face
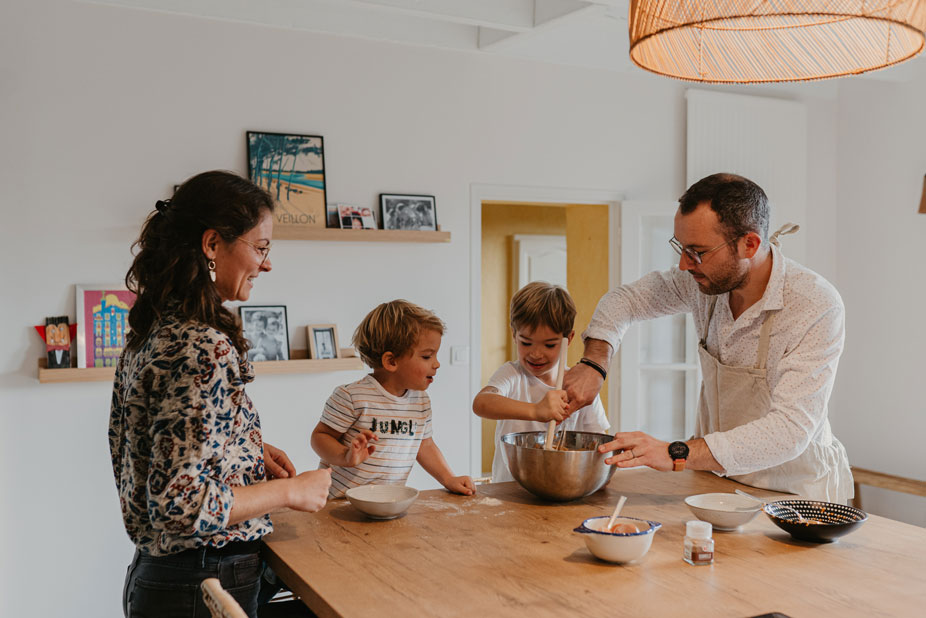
[[678, 450]]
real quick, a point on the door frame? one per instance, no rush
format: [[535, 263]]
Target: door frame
[[514, 193]]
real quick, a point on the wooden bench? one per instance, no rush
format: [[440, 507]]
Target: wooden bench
[[885, 481]]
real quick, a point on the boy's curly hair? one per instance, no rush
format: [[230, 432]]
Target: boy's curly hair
[[393, 327], [543, 303]]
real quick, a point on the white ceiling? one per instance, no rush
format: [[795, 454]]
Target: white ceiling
[[590, 33]]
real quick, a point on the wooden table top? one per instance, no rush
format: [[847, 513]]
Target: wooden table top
[[504, 552]]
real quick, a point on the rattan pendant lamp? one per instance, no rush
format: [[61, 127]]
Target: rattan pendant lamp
[[755, 41]]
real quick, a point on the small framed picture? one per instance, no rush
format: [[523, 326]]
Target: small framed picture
[[408, 212], [102, 323], [356, 217], [266, 329], [323, 341], [331, 219]]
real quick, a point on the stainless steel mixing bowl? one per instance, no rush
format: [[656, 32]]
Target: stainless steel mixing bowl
[[558, 476]]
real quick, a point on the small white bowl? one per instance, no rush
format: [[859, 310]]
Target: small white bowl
[[724, 511], [382, 501], [618, 546]]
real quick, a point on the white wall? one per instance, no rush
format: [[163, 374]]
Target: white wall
[[103, 109], [879, 406]]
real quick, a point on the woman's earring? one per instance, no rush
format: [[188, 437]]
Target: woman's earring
[[211, 266]]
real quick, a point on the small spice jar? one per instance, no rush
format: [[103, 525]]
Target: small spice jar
[[699, 546]]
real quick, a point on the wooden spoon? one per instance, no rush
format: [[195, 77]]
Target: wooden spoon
[[560, 372]]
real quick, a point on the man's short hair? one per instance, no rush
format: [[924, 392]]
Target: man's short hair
[[541, 303], [740, 204], [393, 327]]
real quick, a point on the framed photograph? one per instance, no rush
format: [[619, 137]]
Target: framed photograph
[[266, 329], [323, 341], [102, 323], [292, 169], [408, 212], [332, 218], [356, 217]]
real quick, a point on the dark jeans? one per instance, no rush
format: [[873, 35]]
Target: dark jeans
[[168, 586]]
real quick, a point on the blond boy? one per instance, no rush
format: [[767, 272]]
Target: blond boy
[[521, 395], [373, 430]]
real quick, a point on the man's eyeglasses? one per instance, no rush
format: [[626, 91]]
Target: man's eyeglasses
[[263, 250], [691, 254]]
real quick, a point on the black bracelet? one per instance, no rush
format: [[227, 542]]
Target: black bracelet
[[595, 366]]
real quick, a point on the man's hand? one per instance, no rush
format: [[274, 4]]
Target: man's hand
[[636, 448], [277, 464], [582, 384]]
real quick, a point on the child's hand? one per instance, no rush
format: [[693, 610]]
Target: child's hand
[[552, 407], [360, 448], [461, 485]]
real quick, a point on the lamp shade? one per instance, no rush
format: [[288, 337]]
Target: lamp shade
[[743, 41]]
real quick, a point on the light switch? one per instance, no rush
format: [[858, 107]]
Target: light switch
[[459, 355]]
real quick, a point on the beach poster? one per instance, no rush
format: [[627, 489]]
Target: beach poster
[[292, 169]]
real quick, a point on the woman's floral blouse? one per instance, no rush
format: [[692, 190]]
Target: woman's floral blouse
[[182, 433]]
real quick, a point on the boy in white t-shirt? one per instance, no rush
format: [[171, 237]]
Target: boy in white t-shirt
[[373, 430], [521, 395]]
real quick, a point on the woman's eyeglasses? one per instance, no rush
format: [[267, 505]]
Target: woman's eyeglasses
[[263, 250]]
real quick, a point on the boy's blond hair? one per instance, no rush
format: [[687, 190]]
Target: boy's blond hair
[[541, 303], [393, 327]]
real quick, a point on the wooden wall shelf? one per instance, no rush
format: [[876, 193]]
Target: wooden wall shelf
[[323, 233], [298, 363]]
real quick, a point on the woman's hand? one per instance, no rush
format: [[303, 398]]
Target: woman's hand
[[277, 464], [461, 485], [360, 448], [309, 490], [552, 407]]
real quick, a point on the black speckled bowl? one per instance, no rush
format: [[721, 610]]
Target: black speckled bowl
[[824, 521]]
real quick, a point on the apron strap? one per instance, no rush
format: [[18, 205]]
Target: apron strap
[[707, 327], [764, 332], [787, 228]]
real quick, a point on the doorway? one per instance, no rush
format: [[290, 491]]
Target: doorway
[[529, 241]]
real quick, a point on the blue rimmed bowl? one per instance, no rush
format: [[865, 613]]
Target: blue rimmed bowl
[[819, 522], [618, 546]]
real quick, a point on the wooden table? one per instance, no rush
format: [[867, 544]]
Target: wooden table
[[505, 553]]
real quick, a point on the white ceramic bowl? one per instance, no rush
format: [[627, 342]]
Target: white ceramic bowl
[[382, 501], [723, 511], [617, 546]]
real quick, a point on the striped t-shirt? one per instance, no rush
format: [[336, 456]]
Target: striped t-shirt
[[401, 423]]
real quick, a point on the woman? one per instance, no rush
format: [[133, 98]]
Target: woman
[[196, 482]]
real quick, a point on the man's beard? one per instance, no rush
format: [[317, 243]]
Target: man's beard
[[726, 280]]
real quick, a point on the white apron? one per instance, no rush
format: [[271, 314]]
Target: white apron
[[734, 396]]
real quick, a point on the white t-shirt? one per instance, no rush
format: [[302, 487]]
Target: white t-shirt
[[401, 423], [514, 382]]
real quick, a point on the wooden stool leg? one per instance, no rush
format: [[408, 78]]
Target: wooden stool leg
[[857, 500]]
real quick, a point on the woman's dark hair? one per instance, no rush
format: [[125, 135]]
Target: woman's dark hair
[[170, 269], [740, 204]]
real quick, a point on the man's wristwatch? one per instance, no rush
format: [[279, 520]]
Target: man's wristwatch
[[678, 451]]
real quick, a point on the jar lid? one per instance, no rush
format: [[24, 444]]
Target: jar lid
[[698, 529]]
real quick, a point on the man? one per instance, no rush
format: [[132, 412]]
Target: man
[[771, 335]]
